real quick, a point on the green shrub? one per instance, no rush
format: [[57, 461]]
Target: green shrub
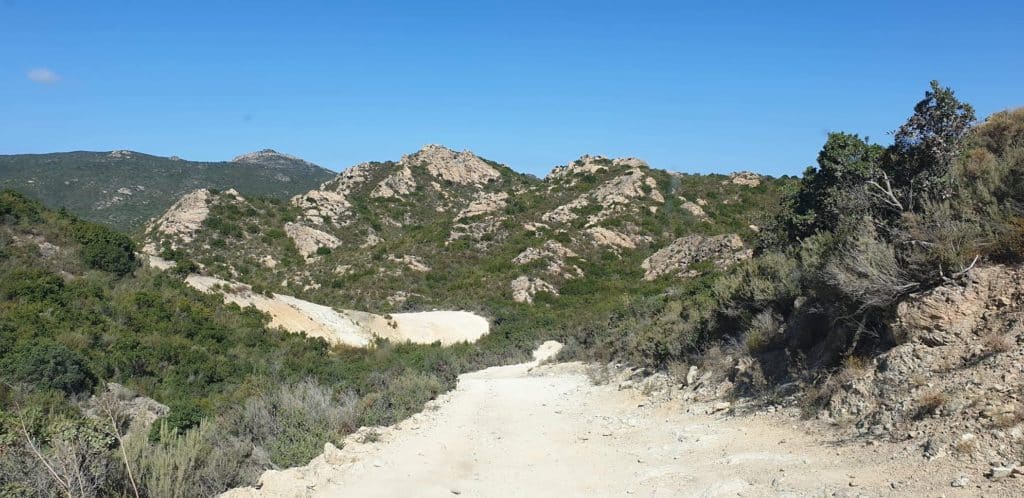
[[103, 248], [47, 365]]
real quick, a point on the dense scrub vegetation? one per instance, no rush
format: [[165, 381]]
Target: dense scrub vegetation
[[76, 312], [867, 227], [125, 189]]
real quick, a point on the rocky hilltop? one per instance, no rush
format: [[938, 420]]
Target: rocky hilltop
[[438, 226], [274, 159]]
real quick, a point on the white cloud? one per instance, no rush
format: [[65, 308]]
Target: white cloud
[[43, 75]]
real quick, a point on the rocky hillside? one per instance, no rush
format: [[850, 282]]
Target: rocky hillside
[[440, 228], [125, 189]]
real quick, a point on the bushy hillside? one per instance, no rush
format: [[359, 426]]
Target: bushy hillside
[[446, 229], [124, 189], [230, 396]]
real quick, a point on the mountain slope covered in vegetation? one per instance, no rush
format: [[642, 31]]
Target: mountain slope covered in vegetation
[[124, 189]]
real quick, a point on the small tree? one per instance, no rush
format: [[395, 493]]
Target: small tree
[[836, 188], [927, 145]]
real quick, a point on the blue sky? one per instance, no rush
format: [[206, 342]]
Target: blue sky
[[686, 86]]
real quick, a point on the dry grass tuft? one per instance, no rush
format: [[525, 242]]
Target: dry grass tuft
[[599, 374], [930, 402], [854, 368], [995, 343]]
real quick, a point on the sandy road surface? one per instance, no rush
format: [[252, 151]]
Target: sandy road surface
[[532, 431]]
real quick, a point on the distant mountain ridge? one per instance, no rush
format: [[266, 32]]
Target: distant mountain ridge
[[274, 159], [124, 189]]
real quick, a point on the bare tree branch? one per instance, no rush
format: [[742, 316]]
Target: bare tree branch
[[886, 193]]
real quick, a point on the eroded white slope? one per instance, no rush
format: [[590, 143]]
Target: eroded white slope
[[349, 327]]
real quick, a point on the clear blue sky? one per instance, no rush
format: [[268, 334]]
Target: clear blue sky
[[686, 86]]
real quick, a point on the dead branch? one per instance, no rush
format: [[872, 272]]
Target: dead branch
[[886, 193], [65, 486], [105, 405]]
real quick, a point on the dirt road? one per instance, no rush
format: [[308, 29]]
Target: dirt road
[[532, 431]]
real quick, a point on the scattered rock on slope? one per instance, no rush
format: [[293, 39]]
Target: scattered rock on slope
[[525, 288], [722, 250], [308, 240], [554, 253], [396, 184], [487, 203], [605, 237]]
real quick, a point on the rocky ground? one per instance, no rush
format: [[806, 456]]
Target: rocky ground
[[549, 430]]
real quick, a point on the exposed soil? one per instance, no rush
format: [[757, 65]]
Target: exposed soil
[[529, 430]]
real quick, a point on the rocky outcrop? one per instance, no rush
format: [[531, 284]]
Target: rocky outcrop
[[475, 231], [694, 208], [551, 248], [610, 238], [554, 253], [486, 204], [411, 262], [274, 159], [185, 217], [462, 168], [319, 206], [120, 402], [397, 184], [525, 288], [330, 202], [616, 195], [944, 314], [745, 178], [676, 258], [308, 240], [952, 385], [588, 164]]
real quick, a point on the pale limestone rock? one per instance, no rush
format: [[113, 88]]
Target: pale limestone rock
[[320, 205], [185, 218], [950, 311], [330, 201], [411, 262], [308, 240], [525, 288], [372, 239], [487, 203], [722, 250], [475, 231], [396, 184], [695, 210], [555, 253], [616, 195], [139, 411], [746, 178], [588, 164], [551, 248], [463, 168], [605, 237]]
